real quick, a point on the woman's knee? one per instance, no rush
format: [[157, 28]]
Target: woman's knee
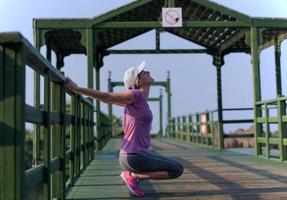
[[177, 172]]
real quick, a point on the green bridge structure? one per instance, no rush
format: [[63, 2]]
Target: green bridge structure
[[75, 155]]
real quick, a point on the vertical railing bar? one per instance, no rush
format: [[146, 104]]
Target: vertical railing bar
[[47, 137]]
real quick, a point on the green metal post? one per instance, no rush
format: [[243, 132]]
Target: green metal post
[[197, 128], [183, 134], [190, 127], [12, 122], [47, 137], [98, 106], [37, 86], [267, 133], [157, 39], [218, 62], [173, 128], [58, 142], [92, 133], [212, 129], [168, 93], [73, 140], [78, 136], [282, 129], [255, 40], [90, 45], [160, 114], [84, 139], [278, 67], [178, 132], [110, 89], [208, 139]]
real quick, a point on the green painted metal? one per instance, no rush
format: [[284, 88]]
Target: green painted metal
[[168, 96], [281, 111], [160, 114], [159, 51], [269, 22], [98, 105], [171, 3], [73, 140], [277, 53], [15, 53], [255, 38], [156, 83], [185, 24], [231, 41], [183, 129], [192, 130], [59, 142], [12, 117], [267, 131], [264, 137], [157, 39], [36, 145], [47, 136], [110, 89], [218, 62]]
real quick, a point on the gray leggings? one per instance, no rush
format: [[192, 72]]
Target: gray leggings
[[150, 162]]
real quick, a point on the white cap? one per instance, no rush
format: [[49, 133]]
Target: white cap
[[131, 75]]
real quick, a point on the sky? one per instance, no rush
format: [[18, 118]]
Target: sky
[[193, 77]]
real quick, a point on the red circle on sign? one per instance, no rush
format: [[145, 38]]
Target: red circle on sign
[[172, 17]]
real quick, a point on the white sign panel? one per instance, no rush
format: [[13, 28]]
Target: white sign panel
[[171, 17]]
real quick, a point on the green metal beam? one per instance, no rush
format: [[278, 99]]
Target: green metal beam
[[62, 23], [269, 23], [185, 24], [171, 3], [159, 51], [231, 41], [153, 99], [156, 83]]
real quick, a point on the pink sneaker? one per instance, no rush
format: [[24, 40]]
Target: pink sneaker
[[131, 183]]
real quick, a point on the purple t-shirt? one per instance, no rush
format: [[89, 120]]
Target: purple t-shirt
[[137, 125]]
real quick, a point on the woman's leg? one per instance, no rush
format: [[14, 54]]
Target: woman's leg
[[151, 166]]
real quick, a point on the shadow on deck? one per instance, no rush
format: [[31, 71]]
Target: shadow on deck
[[209, 174]]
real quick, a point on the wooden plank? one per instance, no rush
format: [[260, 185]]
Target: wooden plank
[[209, 174]]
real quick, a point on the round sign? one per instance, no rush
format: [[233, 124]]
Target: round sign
[[172, 17]]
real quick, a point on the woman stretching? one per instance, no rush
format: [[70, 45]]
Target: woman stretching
[[137, 161]]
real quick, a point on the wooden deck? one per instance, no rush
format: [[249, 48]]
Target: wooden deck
[[209, 174]]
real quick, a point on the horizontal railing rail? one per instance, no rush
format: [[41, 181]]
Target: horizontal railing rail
[[202, 128]]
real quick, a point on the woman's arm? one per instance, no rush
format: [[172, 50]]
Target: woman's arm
[[118, 98]]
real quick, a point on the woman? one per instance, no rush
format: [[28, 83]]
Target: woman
[[135, 158]]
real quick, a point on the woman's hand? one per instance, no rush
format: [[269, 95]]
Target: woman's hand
[[71, 84]]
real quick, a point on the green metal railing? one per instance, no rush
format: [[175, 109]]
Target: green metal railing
[[203, 128], [268, 144], [16, 53], [105, 131]]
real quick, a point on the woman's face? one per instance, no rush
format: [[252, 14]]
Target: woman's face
[[144, 78]]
